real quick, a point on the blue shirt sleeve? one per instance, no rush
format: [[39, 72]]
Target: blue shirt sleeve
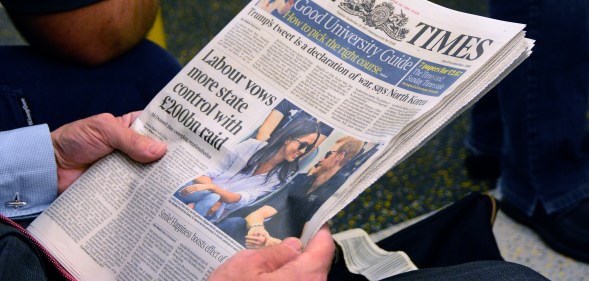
[[27, 167]]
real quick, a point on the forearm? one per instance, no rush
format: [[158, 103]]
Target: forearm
[[254, 219], [258, 216], [226, 196], [269, 125], [206, 183], [90, 35], [203, 180]]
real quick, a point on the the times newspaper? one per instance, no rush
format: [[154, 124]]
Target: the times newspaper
[[280, 121]]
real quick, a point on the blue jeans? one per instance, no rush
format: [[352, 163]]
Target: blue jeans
[[235, 227], [203, 201], [35, 89], [536, 118]]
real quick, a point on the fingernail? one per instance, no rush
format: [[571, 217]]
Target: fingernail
[[155, 147], [293, 243]]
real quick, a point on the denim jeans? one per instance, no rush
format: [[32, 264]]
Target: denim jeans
[[203, 201], [36, 89], [235, 227], [536, 118]]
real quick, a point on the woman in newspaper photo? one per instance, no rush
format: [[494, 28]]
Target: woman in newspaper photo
[[250, 171], [280, 6], [287, 211]]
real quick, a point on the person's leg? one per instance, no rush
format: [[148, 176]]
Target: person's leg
[[201, 202], [206, 203], [480, 271], [191, 198], [19, 260], [188, 198], [234, 227], [544, 104], [484, 140], [35, 89], [477, 270], [545, 166]]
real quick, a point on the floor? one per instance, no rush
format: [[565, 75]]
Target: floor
[[430, 179]]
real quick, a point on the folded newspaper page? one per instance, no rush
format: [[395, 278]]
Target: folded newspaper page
[[363, 256], [286, 116]]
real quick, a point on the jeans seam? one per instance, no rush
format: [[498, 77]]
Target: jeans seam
[[532, 114]]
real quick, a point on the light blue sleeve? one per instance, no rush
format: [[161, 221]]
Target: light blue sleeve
[[243, 150], [261, 190], [27, 167]]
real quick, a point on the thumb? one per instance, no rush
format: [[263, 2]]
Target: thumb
[[144, 149], [278, 255], [254, 264], [137, 146], [293, 243]]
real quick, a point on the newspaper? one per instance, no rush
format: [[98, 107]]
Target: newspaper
[[286, 116], [363, 256]]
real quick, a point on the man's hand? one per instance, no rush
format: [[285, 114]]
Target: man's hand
[[79, 144], [285, 261], [257, 237]]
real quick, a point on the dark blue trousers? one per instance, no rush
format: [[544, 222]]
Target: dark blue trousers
[[19, 259]]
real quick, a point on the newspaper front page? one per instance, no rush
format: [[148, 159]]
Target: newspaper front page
[[288, 114]]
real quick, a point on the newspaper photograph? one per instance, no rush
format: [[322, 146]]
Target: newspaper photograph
[[284, 118]]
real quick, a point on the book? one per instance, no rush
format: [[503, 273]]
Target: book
[[279, 122]]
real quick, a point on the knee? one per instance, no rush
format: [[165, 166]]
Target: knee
[[211, 198], [502, 270], [521, 272], [19, 257]]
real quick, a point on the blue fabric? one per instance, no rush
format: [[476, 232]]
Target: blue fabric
[[227, 175], [537, 115], [236, 227], [19, 259], [38, 90], [27, 166], [479, 270], [35, 89], [203, 201], [295, 206]]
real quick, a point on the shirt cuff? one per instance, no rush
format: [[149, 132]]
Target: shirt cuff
[[27, 171]]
